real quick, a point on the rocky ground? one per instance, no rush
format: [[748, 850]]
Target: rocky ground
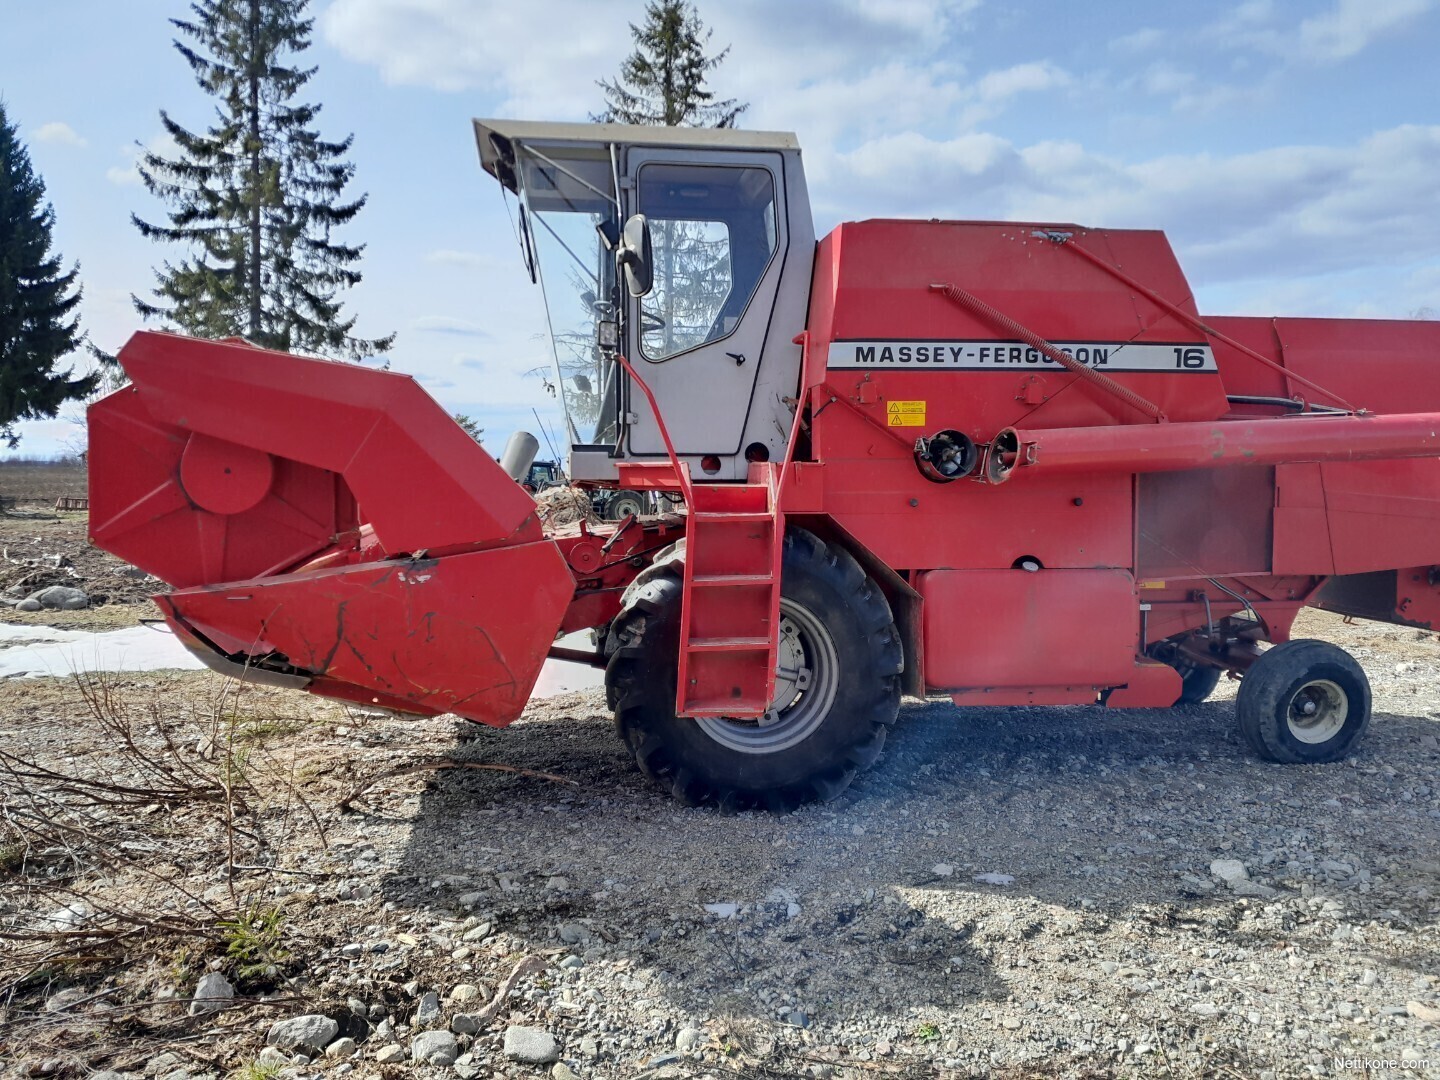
[[41, 549], [1011, 892]]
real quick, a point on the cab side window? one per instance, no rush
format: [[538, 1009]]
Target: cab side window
[[712, 229]]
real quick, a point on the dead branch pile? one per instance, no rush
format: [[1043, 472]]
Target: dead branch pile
[[108, 851], [565, 506]]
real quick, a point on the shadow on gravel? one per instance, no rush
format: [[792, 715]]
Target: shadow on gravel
[[869, 906]]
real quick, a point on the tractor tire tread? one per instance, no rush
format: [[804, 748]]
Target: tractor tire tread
[[640, 683]]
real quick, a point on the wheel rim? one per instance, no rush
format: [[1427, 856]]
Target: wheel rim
[[621, 507], [1317, 711], [807, 677]]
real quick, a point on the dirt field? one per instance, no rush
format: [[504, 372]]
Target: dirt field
[[855, 939], [40, 483]]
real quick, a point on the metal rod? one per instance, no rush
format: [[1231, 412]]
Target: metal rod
[[1064, 240], [576, 656], [1086, 374]]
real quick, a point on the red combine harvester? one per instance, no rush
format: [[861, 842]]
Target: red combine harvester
[[1006, 462]]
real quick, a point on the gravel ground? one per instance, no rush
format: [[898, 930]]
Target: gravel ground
[[1011, 892]]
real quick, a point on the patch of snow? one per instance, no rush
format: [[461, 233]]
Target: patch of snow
[[564, 676], [995, 879], [34, 651]]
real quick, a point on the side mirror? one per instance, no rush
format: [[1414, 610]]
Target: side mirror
[[634, 256]]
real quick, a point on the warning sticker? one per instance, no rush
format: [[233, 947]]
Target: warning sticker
[[905, 413]]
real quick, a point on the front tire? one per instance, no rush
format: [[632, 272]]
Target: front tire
[[1304, 702], [837, 687]]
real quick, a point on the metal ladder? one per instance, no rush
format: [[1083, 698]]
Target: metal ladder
[[730, 606], [730, 603]]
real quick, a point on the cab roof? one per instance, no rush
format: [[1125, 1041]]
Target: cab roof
[[496, 139]]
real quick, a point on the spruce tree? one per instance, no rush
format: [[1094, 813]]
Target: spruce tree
[[37, 298], [258, 196], [663, 80]]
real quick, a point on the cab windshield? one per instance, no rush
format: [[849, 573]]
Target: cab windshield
[[568, 203]]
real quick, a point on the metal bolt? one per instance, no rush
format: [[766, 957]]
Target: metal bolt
[[914, 502]]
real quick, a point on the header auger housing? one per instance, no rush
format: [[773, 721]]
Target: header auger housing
[[1005, 462]]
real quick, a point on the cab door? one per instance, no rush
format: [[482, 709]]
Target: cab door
[[718, 234]]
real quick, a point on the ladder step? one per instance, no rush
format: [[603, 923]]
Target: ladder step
[[718, 708], [713, 581], [729, 644], [730, 515]]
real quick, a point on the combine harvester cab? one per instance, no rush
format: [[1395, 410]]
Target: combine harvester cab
[[1009, 463], [325, 526]]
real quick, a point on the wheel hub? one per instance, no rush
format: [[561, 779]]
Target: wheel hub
[[1318, 711], [792, 672], [806, 681]]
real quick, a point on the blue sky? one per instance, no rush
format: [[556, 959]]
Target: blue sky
[[1291, 150]]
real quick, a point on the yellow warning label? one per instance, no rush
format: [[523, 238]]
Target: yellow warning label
[[905, 413], [1150, 584]]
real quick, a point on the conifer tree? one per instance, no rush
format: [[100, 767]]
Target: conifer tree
[[258, 196], [663, 80], [38, 327]]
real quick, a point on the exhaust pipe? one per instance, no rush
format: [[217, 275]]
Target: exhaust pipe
[[519, 455]]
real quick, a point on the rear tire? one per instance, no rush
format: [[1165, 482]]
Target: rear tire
[[1197, 681], [1197, 684], [1304, 702], [838, 687], [624, 502]]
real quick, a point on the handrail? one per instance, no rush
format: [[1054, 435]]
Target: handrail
[[681, 474]]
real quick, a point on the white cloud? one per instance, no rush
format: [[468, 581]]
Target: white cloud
[[123, 175], [512, 50], [1141, 41], [1353, 24], [1020, 79], [1292, 211], [127, 174], [916, 16], [444, 324], [839, 110], [515, 51], [1253, 11], [1345, 29], [474, 260], [58, 132], [1165, 79]]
